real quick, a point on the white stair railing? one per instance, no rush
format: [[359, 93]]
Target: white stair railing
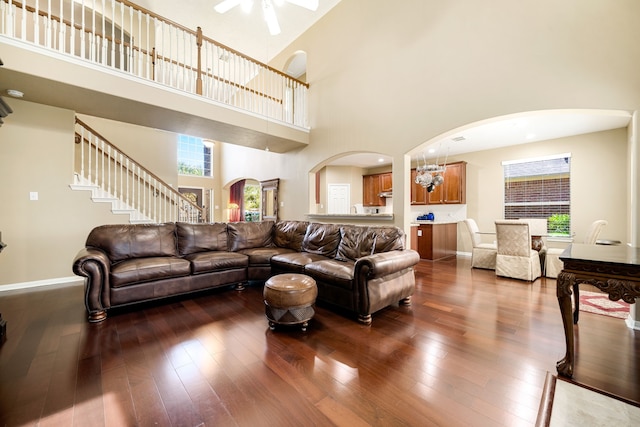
[[126, 183], [121, 35]]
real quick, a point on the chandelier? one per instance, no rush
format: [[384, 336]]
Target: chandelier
[[268, 9], [430, 175]]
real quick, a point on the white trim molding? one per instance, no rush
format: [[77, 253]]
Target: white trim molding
[[60, 281]]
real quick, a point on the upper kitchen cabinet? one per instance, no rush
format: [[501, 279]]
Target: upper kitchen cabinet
[[373, 185], [454, 189], [418, 192]]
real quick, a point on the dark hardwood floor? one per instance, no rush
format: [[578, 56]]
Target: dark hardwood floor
[[472, 350]]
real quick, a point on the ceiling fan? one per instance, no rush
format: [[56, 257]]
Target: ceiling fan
[[268, 9]]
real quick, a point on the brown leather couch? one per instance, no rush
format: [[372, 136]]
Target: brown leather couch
[[357, 268]]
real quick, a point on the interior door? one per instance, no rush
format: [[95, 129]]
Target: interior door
[[339, 198]]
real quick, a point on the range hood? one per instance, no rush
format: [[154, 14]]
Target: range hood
[[386, 194]]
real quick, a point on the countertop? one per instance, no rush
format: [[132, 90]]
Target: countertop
[[378, 216], [435, 222]]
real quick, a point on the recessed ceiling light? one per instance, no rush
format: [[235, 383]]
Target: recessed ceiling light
[[380, 160], [432, 150], [15, 93]]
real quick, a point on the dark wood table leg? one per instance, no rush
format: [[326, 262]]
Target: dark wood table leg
[[576, 301], [565, 282]]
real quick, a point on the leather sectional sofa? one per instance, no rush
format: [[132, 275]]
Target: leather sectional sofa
[[359, 269]]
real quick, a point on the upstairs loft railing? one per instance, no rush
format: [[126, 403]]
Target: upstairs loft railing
[[121, 35], [102, 165]]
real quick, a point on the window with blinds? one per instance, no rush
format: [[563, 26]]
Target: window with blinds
[[540, 188]]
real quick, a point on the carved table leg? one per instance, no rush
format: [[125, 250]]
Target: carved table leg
[[565, 282], [576, 301]]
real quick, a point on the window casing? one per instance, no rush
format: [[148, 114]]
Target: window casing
[[540, 188], [194, 156]]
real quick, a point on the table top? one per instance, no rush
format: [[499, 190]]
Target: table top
[[602, 254]]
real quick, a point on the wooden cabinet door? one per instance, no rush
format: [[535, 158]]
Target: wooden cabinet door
[[371, 191], [386, 181], [418, 192], [453, 190], [425, 241]]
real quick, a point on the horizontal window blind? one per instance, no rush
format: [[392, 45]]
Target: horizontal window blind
[[539, 188]]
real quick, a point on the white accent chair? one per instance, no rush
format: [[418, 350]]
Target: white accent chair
[[483, 255], [515, 257], [554, 264]]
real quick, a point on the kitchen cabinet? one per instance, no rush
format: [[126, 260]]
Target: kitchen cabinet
[[454, 189], [437, 241], [418, 192], [373, 185], [386, 181], [371, 191]]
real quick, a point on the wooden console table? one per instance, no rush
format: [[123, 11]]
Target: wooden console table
[[612, 269]]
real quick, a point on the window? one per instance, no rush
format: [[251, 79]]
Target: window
[[194, 156], [540, 188]]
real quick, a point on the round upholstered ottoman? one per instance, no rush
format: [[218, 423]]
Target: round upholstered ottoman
[[289, 299]]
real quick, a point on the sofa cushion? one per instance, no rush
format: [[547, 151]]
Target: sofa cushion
[[322, 239], [355, 242], [289, 234], [295, 261], [388, 239], [126, 241], [246, 235], [141, 270], [201, 237], [262, 256], [334, 272], [206, 262]]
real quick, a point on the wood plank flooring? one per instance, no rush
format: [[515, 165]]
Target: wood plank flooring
[[472, 350]]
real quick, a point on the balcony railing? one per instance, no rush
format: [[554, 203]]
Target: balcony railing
[[123, 36]]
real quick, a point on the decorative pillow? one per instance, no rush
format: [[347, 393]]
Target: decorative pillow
[[388, 239], [289, 234], [322, 239], [194, 238], [247, 235], [355, 242]]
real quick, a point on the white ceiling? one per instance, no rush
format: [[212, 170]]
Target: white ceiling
[[246, 33], [504, 131]]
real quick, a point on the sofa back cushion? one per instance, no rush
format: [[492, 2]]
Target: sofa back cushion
[[289, 234], [247, 235], [322, 239], [355, 242], [194, 238], [125, 241], [388, 239]]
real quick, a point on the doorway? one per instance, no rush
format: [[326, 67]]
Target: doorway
[[339, 198]]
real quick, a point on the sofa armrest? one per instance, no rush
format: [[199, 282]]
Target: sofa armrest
[[385, 263], [94, 265]]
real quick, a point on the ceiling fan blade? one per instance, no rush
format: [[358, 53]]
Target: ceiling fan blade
[[226, 5], [307, 4], [270, 17]]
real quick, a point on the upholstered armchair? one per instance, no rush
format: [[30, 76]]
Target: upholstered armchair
[[554, 263], [483, 255], [515, 257]]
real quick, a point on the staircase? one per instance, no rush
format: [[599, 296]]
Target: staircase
[[113, 177]]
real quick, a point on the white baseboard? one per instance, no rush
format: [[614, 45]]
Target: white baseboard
[[463, 254], [60, 281], [632, 323]]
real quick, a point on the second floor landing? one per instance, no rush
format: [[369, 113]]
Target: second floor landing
[[51, 78]]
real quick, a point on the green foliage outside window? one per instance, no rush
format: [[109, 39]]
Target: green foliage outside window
[[559, 225], [186, 169], [251, 203]]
